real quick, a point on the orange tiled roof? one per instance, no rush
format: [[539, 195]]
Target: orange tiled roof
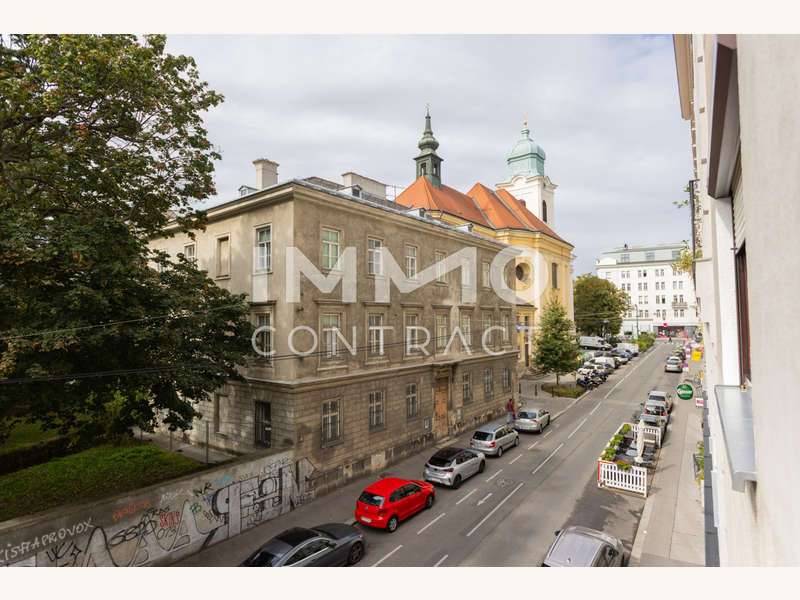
[[423, 194], [498, 213], [531, 219]]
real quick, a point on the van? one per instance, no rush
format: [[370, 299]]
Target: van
[[632, 348], [605, 360], [592, 341]]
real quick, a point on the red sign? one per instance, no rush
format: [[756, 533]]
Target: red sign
[[665, 324]]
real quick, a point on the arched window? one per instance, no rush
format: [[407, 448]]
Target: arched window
[[554, 276], [544, 211]]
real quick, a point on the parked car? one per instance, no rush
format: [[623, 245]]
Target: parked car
[[603, 367], [493, 439], [673, 365], [632, 348], [624, 356], [657, 408], [578, 546], [606, 360], [592, 341], [451, 466], [657, 395], [328, 545], [532, 419], [390, 500]]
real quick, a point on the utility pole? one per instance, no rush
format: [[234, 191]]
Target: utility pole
[[636, 310], [206, 442]]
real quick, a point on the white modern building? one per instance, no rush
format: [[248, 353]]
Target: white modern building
[[740, 94], [662, 299]]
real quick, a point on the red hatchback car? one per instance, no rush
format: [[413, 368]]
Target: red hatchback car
[[387, 502]]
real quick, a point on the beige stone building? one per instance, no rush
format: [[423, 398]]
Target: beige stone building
[[345, 385]]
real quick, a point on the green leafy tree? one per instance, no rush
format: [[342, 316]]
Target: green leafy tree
[[101, 145], [599, 305], [555, 347]]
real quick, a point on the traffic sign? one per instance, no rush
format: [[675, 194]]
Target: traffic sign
[[684, 391]]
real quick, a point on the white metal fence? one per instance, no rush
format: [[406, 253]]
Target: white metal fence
[[632, 480], [651, 434]]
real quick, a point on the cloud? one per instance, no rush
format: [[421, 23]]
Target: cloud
[[604, 108]]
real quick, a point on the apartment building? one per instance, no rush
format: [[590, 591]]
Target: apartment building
[[347, 378], [739, 93], [662, 299]]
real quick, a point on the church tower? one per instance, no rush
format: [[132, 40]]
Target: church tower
[[428, 162]]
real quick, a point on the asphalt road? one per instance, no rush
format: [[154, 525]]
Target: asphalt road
[[506, 515]]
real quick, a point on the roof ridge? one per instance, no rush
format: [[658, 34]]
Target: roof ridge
[[513, 212]]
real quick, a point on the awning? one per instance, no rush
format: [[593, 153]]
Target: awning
[[736, 414]]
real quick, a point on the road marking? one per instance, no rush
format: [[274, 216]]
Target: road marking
[[624, 378], [495, 475], [431, 523], [576, 429], [546, 459], [465, 497], [532, 445], [548, 433], [595, 408], [484, 499], [516, 459], [503, 501], [441, 560], [388, 555]]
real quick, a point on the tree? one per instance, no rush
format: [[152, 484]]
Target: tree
[[599, 305], [555, 347], [101, 145]]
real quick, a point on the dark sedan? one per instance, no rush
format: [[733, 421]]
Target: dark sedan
[[329, 545]]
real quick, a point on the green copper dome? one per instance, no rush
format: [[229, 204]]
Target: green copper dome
[[526, 158]]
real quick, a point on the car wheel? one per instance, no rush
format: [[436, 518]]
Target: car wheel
[[429, 501], [516, 441], [392, 524], [456, 482], [356, 553], [499, 451], [482, 466]]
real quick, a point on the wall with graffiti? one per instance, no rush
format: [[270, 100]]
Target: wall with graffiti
[[160, 524]]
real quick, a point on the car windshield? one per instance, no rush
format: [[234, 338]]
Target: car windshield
[[260, 558], [482, 435], [371, 499], [673, 361], [527, 414], [440, 461]]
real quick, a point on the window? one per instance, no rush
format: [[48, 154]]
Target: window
[[466, 273], [264, 253], [742, 313], [306, 551], [485, 282], [649, 256], [330, 422], [375, 334], [263, 427], [506, 379], [441, 331], [330, 248], [374, 257], [544, 211], [676, 254], [681, 312], [554, 275], [331, 323], [674, 285], [640, 286], [264, 338], [438, 258], [644, 272], [487, 322], [189, 253], [644, 286], [680, 298], [624, 258], [412, 335], [504, 324], [675, 313], [466, 389], [466, 326], [411, 262], [674, 297], [223, 256], [412, 401], [487, 383], [680, 285], [376, 410]]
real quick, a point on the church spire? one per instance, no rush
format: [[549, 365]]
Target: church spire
[[428, 162]]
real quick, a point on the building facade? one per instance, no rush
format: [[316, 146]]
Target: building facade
[[662, 298], [350, 382], [739, 93], [518, 213]]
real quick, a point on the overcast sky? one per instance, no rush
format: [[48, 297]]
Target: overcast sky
[[604, 108]]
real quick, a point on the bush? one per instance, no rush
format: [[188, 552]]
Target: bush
[[625, 429], [625, 466], [645, 341], [565, 391]]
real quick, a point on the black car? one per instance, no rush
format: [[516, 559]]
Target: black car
[[328, 545]]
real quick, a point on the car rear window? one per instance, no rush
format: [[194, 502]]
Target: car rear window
[[371, 499], [527, 414], [482, 436], [440, 461], [261, 558]]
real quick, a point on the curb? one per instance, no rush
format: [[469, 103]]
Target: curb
[[641, 532]]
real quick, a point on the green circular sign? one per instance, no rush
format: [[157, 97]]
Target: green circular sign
[[684, 391]]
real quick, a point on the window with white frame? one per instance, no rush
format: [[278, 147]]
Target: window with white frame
[[623, 258], [264, 253], [330, 248], [330, 422], [649, 256], [466, 326], [506, 379], [374, 256], [375, 334], [681, 313], [466, 273], [412, 401], [674, 285], [441, 275], [487, 383], [189, 253], [412, 335], [441, 331], [466, 388], [376, 406], [331, 323], [504, 323], [264, 338], [680, 285], [644, 286], [485, 279], [487, 322], [411, 262], [223, 256]]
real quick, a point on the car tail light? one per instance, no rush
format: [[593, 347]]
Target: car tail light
[[491, 445], [533, 420], [381, 512], [449, 470]]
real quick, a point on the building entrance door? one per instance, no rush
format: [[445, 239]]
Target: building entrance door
[[440, 395]]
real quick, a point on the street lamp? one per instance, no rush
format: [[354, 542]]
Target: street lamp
[[604, 327]]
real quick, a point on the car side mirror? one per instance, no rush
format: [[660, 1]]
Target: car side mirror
[[557, 532]]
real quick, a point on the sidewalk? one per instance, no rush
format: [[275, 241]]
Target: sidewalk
[[671, 530]]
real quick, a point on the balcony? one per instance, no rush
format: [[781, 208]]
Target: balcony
[[680, 305]]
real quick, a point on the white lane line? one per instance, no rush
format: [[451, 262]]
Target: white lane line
[[626, 376], [532, 445], [484, 499], [503, 501], [548, 433], [441, 560], [495, 475], [595, 408], [465, 497], [546, 459], [431, 523], [516, 459], [388, 555], [576, 429]]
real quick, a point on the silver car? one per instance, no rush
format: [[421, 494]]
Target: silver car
[[578, 546], [673, 365], [493, 439], [450, 466], [532, 419]]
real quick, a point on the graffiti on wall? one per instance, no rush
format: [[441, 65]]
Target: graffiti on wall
[[178, 522]]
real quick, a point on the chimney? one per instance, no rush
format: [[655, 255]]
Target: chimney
[[266, 173]]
